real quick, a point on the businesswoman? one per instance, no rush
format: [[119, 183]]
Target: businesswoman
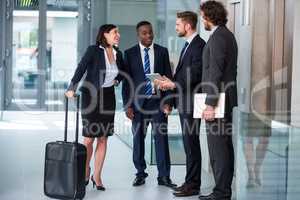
[[102, 64]]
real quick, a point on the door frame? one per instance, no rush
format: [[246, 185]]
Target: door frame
[[41, 65], [2, 61], [7, 51]]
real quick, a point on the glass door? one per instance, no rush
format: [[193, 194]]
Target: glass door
[[22, 75], [42, 47]]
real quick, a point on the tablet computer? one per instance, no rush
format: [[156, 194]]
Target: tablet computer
[[153, 76]]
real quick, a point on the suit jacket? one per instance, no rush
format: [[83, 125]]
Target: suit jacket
[[134, 68], [93, 64], [220, 68], [188, 75]]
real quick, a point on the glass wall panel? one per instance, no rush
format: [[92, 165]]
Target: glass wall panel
[[261, 157], [61, 50], [293, 178], [24, 53]]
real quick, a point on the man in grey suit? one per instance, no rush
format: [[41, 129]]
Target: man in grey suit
[[219, 75]]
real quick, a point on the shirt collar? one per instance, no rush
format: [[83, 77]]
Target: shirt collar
[[190, 39], [114, 51], [142, 47], [214, 28]]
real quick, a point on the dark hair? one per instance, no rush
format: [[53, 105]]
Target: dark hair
[[101, 40], [215, 12], [189, 17], [142, 23]]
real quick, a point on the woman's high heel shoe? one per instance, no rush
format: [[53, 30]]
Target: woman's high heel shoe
[[88, 179], [99, 187]]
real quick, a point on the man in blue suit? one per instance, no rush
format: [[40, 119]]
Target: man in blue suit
[[144, 104]]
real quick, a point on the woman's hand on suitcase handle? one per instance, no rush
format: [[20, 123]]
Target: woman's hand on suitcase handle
[[70, 94]]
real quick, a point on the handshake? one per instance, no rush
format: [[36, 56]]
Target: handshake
[[162, 82]]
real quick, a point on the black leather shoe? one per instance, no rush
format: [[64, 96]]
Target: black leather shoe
[[186, 192], [166, 181], [213, 196], [139, 180]]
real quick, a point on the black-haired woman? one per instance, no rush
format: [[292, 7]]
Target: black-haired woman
[[102, 64]]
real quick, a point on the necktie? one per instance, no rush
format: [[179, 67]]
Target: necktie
[[148, 86], [183, 50]]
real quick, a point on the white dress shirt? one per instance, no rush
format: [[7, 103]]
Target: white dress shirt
[[190, 39], [214, 28], [111, 69], [151, 59], [151, 56]]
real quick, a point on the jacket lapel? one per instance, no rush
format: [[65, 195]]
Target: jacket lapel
[[102, 59], [182, 60], [102, 65], [140, 66], [179, 66], [156, 56]]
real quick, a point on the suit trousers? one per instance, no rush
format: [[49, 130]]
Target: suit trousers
[[221, 152], [191, 141], [159, 122]]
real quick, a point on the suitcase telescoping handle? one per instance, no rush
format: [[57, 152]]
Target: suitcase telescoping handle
[[77, 97]]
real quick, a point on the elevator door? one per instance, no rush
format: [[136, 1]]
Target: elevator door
[[281, 36]]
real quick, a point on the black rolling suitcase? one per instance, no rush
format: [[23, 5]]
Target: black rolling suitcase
[[64, 175]]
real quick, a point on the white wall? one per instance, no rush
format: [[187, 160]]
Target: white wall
[[126, 15], [130, 13]]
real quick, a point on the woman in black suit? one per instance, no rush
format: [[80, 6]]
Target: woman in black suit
[[102, 64]]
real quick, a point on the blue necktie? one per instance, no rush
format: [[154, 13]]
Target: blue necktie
[[148, 86], [183, 51]]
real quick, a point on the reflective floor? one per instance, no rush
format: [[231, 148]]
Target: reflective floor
[[267, 159], [23, 136]]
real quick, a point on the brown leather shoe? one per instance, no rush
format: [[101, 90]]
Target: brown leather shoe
[[186, 192], [179, 188], [185, 186]]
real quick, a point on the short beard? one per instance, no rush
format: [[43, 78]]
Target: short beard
[[181, 34], [207, 27]]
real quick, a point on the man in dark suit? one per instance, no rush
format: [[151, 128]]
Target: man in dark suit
[[187, 82], [219, 75], [188, 78], [144, 104]]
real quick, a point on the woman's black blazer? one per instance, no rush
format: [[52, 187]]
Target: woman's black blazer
[[93, 64]]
